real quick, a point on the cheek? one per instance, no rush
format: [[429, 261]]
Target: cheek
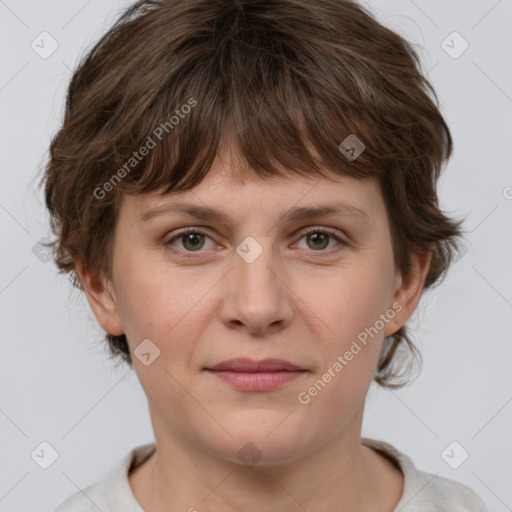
[[351, 306], [353, 300], [164, 305]]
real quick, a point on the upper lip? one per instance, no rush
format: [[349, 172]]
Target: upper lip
[[251, 366]]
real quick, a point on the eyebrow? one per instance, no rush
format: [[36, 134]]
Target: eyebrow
[[294, 214]]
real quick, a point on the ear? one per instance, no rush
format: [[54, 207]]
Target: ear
[[408, 291], [100, 298]]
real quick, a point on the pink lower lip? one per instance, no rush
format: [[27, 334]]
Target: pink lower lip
[[256, 381]]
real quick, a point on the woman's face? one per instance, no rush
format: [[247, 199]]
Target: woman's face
[[255, 285]]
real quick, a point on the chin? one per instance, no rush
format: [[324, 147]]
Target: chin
[[263, 441]]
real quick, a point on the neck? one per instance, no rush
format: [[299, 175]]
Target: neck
[[341, 475]]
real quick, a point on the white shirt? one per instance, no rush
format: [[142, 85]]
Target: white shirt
[[423, 492]]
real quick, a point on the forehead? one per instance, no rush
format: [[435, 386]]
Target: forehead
[[225, 187]]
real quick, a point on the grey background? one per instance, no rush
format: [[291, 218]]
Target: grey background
[[56, 384]]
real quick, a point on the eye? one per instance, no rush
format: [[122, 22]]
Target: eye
[[317, 239], [193, 240]]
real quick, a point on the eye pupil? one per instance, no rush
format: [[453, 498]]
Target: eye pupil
[[315, 237], [192, 237]]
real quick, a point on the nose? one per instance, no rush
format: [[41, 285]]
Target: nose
[[256, 295]]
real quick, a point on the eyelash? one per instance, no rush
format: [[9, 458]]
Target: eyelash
[[307, 231]]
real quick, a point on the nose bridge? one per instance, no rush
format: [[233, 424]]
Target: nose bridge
[[257, 296], [255, 264]]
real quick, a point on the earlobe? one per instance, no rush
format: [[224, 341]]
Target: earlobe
[[408, 291], [101, 300]]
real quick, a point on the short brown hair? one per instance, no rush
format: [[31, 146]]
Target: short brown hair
[[291, 79]]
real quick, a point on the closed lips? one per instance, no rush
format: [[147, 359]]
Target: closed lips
[[244, 365]]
